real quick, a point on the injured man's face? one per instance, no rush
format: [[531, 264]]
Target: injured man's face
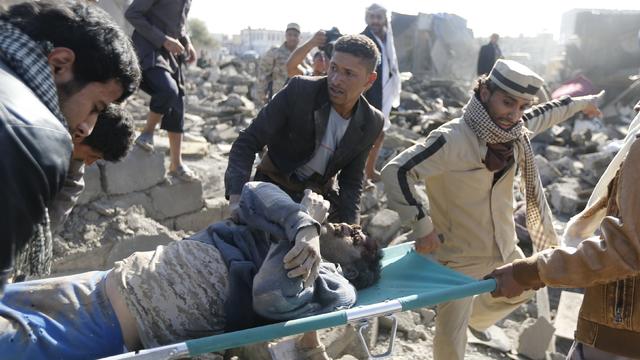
[[358, 255]]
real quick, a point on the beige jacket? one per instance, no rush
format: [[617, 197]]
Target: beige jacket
[[608, 266], [474, 215]]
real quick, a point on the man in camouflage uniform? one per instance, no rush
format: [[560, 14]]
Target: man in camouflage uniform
[[272, 73]]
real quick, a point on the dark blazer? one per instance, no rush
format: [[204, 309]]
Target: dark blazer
[[153, 20], [292, 125], [36, 148], [374, 94], [488, 56]]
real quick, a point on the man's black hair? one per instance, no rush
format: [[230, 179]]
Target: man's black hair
[[113, 134], [361, 47], [102, 50], [368, 268]]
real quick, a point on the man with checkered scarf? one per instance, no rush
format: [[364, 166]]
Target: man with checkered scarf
[[468, 166]]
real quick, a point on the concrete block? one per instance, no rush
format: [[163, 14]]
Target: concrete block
[[563, 196], [213, 211], [427, 316], [535, 338], [92, 185], [140, 170], [567, 316], [175, 198], [594, 165], [129, 200], [384, 226]]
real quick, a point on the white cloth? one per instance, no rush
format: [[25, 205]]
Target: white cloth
[[336, 127], [391, 85], [584, 224]]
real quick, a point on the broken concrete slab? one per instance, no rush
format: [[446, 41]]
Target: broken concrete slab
[[139, 170], [567, 315], [535, 338], [176, 198]]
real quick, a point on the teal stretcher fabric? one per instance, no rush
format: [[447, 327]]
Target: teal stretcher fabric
[[406, 273], [412, 279]]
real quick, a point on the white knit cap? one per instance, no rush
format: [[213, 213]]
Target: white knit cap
[[516, 79]]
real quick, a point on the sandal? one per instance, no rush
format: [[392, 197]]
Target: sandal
[[184, 173], [145, 141]]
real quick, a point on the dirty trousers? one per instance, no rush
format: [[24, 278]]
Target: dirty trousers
[[480, 312]]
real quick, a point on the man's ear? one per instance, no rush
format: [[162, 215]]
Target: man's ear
[[61, 60], [371, 79], [485, 94]]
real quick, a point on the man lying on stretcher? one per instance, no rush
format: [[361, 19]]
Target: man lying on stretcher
[[264, 267]]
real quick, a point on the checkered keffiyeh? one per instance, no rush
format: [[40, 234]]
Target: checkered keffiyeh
[[28, 60], [539, 221]]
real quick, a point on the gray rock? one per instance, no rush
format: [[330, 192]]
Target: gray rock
[[594, 165], [177, 198], [548, 173], [406, 321], [564, 196], [535, 338], [384, 226], [139, 170]]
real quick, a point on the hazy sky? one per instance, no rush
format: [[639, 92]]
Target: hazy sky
[[508, 18]]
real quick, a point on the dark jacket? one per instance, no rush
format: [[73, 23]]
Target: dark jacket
[[488, 56], [292, 126], [153, 21], [374, 94], [36, 148]]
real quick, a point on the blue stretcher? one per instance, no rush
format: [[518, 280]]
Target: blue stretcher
[[408, 281]]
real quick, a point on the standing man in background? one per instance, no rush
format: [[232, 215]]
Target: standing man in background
[[385, 91], [272, 71], [489, 54], [161, 41]]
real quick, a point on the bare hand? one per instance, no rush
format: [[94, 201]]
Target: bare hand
[[428, 244], [592, 110], [192, 55], [304, 258], [315, 205], [173, 46], [506, 285], [319, 38]]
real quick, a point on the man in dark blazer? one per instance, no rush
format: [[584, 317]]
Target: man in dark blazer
[[489, 54], [316, 129]]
